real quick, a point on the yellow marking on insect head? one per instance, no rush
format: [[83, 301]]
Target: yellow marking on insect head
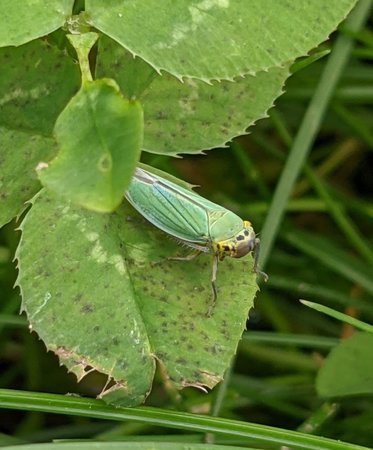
[[240, 245]]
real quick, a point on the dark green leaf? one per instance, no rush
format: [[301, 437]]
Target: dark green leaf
[[189, 116], [99, 301], [31, 98], [218, 39], [36, 83], [19, 155], [23, 21], [348, 370]]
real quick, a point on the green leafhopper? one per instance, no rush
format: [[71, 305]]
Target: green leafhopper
[[192, 220]]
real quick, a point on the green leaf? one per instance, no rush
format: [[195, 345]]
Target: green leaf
[[99, 134], [348, 370], [31, 98], [99, 301], [24, 21], [19, 155], [191, 116], [217, 39], [32, 93]]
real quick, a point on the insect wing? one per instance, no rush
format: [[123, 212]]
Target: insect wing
[[224, 226], [169, 207]]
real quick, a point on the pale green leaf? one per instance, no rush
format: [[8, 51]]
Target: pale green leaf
[[23, 21], [99, 135], [100, 301], [191, 116], [217, 39]]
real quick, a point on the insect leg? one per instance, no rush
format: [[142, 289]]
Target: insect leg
[[189, 257], [215, 260], [256, 258]]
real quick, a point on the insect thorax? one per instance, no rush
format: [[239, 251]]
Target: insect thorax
[[237, 246]]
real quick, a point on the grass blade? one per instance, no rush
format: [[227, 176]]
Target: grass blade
[[54, 403], [339, 316], [309, 128]]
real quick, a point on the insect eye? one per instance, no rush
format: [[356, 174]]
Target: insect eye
[[244, 247]]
